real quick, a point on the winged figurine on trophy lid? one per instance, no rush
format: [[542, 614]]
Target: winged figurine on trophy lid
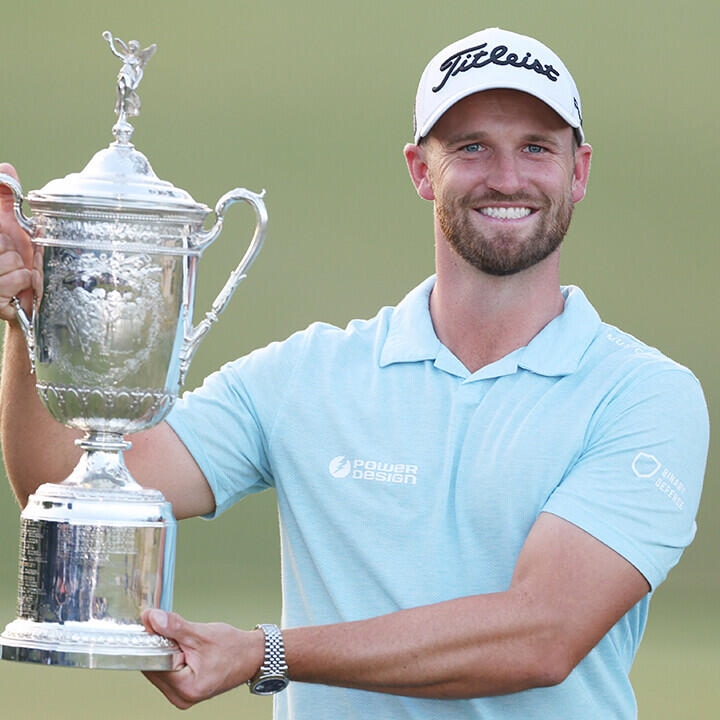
[[127, 102]]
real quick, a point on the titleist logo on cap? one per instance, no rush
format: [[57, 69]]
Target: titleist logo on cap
[[499, 55]]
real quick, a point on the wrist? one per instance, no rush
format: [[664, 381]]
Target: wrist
[[257, 650]]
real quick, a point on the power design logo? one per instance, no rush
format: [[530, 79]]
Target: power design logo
[[342, 466]]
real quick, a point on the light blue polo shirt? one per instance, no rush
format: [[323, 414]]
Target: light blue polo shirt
[[403, 479]]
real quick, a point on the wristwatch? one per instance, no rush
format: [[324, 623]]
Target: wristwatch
[[272, 677]]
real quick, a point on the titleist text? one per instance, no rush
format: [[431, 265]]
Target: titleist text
[[478, 57]]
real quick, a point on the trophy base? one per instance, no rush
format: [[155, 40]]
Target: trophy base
[[23, 641]]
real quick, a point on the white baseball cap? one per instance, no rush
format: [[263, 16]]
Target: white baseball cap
[[490, 59]]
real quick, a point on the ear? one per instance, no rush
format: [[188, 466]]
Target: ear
[[415, 156], [581, 172]]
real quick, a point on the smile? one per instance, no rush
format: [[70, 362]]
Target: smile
[[506, 213]]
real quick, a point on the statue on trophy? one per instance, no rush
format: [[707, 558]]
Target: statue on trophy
[[127, 101]]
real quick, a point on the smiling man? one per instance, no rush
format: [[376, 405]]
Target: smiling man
[[473, 485]]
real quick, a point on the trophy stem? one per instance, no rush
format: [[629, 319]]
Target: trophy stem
[[102, 466]]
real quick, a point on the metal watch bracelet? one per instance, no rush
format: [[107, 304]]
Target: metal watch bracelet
[[272, 677]]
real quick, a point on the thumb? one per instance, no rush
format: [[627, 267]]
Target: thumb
[[170, 625]]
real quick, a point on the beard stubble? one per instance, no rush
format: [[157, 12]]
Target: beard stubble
[[503, 253]]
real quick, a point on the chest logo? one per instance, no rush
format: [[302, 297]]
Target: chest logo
[[342, 466]]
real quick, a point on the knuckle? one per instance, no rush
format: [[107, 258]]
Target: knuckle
[[172, 621], [8, 169], [10, 260], [13, 283], [14, 260]]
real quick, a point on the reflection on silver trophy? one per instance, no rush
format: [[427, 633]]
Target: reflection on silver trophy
[[110, 344]]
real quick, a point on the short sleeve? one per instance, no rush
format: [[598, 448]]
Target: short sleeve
[[226, 424], [637, 484]]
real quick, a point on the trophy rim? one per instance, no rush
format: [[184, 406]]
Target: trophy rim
[[73, 645], [129, 658]]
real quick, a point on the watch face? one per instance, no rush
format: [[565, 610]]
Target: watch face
[[270, 685]]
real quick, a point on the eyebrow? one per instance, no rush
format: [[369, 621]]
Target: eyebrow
[[543, 139], [480, 136]]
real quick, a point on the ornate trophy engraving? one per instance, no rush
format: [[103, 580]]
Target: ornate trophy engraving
[[110, 344]]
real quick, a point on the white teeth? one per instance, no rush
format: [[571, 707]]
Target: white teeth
[[506, 213]]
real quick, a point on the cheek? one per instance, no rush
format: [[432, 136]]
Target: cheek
[[557, 182], [454, 180]]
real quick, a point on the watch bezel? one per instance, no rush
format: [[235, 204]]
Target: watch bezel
[[278, 684]]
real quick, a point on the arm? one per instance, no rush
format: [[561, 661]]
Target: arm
[[567, 591], [36, 448], [109, 38]]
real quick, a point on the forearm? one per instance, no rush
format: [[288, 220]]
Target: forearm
[[568, 589], [36, 448], [469, 647]]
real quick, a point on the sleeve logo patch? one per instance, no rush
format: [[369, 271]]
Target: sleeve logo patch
[[646, 466]]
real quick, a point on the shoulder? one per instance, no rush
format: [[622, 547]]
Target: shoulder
[[320, 345], [639, 380], [628, 359]]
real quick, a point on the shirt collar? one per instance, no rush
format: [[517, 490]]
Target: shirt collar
[[411, 336], [556, 350]]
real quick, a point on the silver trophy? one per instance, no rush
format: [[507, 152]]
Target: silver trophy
[[110, 344]]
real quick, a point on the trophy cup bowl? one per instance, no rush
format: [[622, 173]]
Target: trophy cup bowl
[[110, 344]]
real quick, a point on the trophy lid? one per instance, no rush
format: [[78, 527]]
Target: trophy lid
[[120, 177]]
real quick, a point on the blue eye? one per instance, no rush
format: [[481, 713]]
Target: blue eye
[[472, 147], [534, 149]]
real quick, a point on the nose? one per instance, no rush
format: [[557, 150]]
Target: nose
[[504, 174]]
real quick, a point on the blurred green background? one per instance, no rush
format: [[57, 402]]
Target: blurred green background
[[312, 100]]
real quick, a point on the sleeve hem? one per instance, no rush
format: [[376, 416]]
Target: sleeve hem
[[194, 447], [615, 540]]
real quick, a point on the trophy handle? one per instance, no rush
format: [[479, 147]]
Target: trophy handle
[[27, 324], [201, 241], [26, 223]]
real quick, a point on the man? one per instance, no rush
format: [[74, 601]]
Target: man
[[479, 489]]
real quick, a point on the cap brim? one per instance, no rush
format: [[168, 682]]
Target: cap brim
[[441, 109]]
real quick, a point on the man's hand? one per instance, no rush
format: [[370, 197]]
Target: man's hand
[[20, 263], [218, 657]]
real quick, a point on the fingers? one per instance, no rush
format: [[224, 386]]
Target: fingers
[[166, 683], [10, 260], [21, 268], [14, 284], [6, 196], [9, 169], [9, 227], [175, 627], [16, 278], [218, 657]]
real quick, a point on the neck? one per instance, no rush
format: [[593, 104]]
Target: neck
[[481, 318]]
